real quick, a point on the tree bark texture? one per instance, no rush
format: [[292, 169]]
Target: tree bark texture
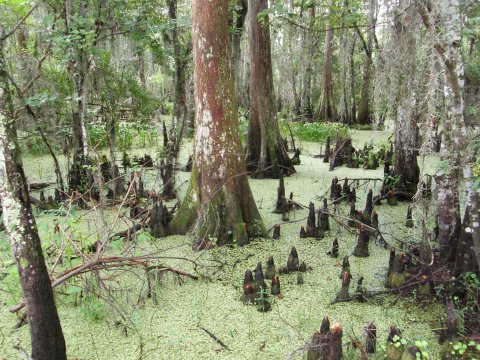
[[219, 188], [266, 152]]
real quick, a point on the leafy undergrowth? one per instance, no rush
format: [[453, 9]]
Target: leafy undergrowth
[[169, 324]]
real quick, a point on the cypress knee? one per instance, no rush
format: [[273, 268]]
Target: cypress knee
[[334, 252], [335, 343], [248, 288], [276, 232], [270, 272], [371, 343], [409, 221], [275, 289], [293, 261], [361, 250]]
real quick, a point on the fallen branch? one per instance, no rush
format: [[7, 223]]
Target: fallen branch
[[106, 263], [215, 338]]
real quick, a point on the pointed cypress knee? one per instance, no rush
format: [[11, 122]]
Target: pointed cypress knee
[[334, 252], [361, 250], [311, 220], [367, 213], [293, 261], [248, 288], [371, 342], [335, 343], [281, 206], [188, 167], [409, 221], [303, 233], [318, 348], [323, 222], [343, 294], [374, 220], [276, 232], [259, 278], [270, 271], [359, 292], [326, 158], [345, 266], [296, 157], [346, 189], [275, 289], [158, 221]]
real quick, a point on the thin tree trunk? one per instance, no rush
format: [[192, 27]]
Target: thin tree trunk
[[237, 55], [326, 109], [266, 153], [219, 202], [45, 329]]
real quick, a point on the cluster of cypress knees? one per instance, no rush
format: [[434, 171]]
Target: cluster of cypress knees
[[327, 343], [254, 285]]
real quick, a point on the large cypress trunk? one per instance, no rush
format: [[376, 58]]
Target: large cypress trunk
[[45, 330], [266, 153], [219, 203]]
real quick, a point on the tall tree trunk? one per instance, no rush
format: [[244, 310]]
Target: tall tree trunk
[[266, 153], [79, 176], [45, 330], [310, 45], [364, 110], [406, 131], [237, 55], [219, 202], [180, 110], [326, 109], [443, 19]]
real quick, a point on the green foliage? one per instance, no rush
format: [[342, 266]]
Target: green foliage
[[314, 132]]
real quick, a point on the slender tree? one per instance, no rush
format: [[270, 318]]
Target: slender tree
[[219, 203], [326, 110], [45, 329], [266, 153]]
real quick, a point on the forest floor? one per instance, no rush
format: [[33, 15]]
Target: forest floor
[[171, 326]]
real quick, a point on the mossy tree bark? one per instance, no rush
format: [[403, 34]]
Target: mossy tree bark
[[266, 152], [443, 19], [406, 131], [45, 330], [219, 187]]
